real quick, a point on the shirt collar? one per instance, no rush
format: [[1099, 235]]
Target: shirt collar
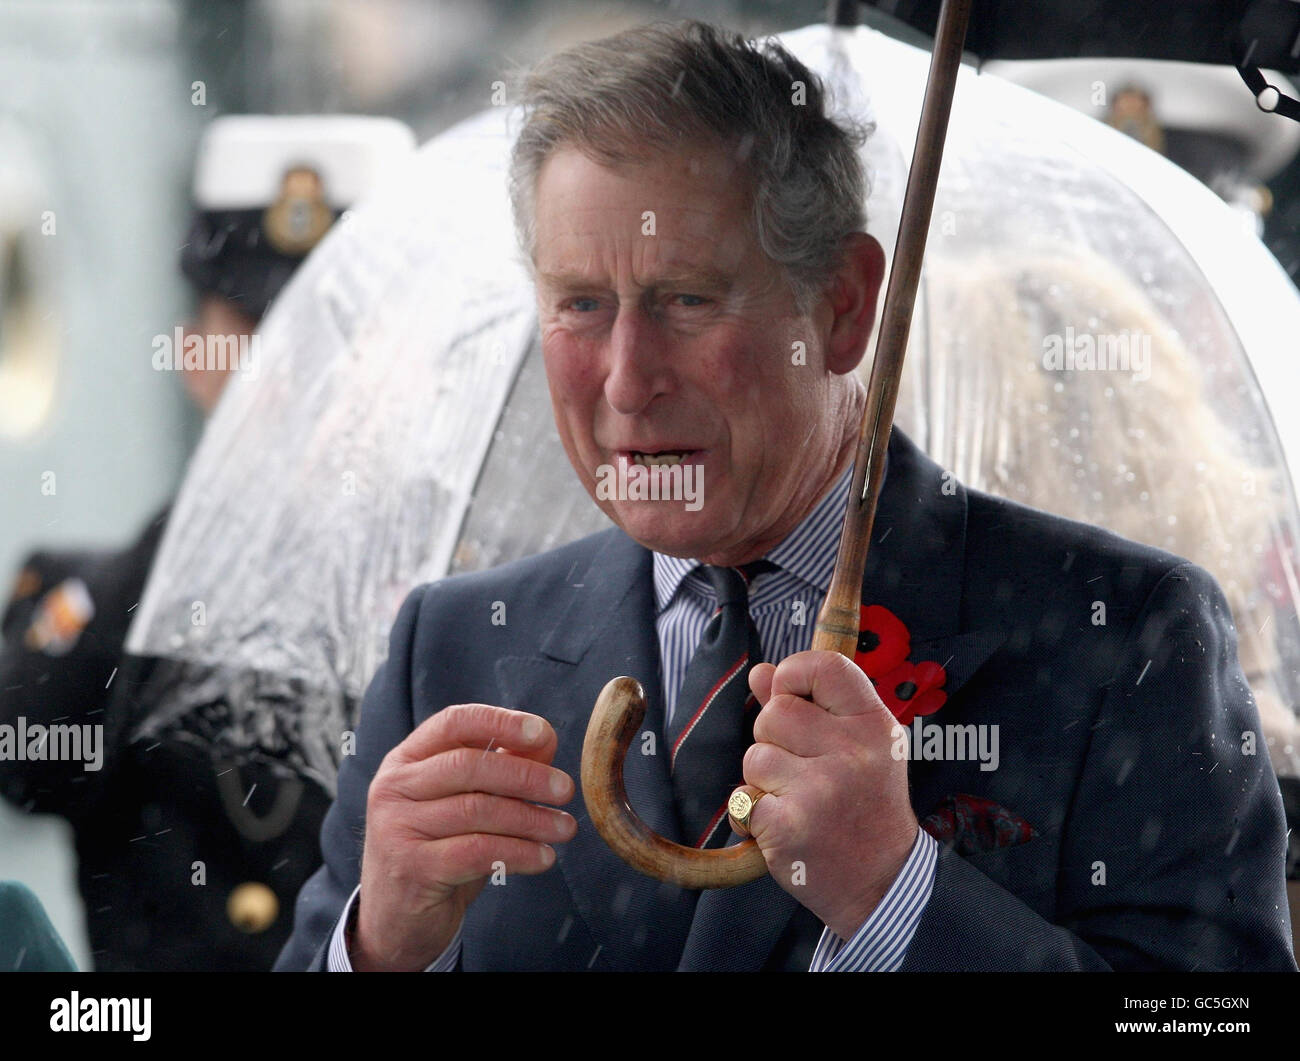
[[808, 552]]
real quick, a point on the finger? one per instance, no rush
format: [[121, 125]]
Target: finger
[[773, 769], [480, 812], [760, 681], [460, 860], [795, 724], [479, 726], [476, 770], [833, 682]]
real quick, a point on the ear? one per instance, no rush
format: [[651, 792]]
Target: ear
[[852, 297]]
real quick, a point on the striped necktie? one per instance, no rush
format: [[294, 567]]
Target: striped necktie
[[713, 722]]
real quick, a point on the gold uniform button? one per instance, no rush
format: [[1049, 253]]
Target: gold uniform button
[[252, 907]]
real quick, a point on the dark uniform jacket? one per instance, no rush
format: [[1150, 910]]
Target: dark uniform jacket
[[164, 834]]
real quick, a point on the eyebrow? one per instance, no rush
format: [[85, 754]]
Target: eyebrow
[[704, 279]]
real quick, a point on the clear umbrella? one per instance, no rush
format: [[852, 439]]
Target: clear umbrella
[[392, 431], [399, 429]]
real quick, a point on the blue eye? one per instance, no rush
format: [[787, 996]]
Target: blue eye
[[576, 304], [698, 300]]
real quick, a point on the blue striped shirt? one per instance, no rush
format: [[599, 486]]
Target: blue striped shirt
[[784, 604]]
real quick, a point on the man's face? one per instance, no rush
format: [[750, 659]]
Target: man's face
[[217, 316], [667, 331]]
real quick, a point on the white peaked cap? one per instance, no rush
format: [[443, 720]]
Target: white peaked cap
[[242, 159], [1193, 96]]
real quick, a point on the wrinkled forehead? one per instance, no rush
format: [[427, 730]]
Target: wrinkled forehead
[[688, 212]]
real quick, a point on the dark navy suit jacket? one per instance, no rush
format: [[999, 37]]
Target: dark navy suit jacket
[[1120, 744]]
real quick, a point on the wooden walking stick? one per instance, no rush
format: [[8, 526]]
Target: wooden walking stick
[[621, 706]]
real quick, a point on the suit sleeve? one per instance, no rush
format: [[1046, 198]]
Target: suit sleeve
[[385, 721], [1172, 849]]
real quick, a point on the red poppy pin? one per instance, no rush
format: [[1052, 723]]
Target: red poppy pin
[[908, 689]]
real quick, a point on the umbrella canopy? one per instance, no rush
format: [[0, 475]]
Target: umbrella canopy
[[1095, 335], [1194, 31], [370, 450], [399, 430], [1247, 34]]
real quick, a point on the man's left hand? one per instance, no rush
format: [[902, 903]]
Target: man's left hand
[[837, 799]]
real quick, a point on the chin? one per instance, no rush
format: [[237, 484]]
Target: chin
[[674, 532]]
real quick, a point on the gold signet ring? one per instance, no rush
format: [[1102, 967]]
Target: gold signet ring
[[740, 807]]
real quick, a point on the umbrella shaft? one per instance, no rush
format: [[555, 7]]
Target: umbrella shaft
[[837, 623]]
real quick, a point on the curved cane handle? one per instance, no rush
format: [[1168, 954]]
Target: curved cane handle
[[618, 714]]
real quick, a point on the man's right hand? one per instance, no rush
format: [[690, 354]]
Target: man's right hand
[[458, 795]]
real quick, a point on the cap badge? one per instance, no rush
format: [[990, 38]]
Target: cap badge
[[297, 220]]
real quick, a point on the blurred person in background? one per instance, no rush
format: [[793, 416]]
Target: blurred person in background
[[183, 862]]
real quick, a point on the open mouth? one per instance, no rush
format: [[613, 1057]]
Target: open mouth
[[668, 457]]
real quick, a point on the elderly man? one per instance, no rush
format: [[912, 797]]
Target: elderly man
[[705, 291]]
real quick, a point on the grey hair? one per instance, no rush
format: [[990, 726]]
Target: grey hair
[[663, 86]]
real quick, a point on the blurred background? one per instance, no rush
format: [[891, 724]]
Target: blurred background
[[101, 108]]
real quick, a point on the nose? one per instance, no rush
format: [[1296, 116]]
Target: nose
[[639, 367]]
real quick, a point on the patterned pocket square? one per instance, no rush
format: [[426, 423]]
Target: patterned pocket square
[[971, 824]]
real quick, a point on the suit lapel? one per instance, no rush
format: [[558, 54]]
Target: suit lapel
[[960, 655], [916, 566], [604, 630]]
